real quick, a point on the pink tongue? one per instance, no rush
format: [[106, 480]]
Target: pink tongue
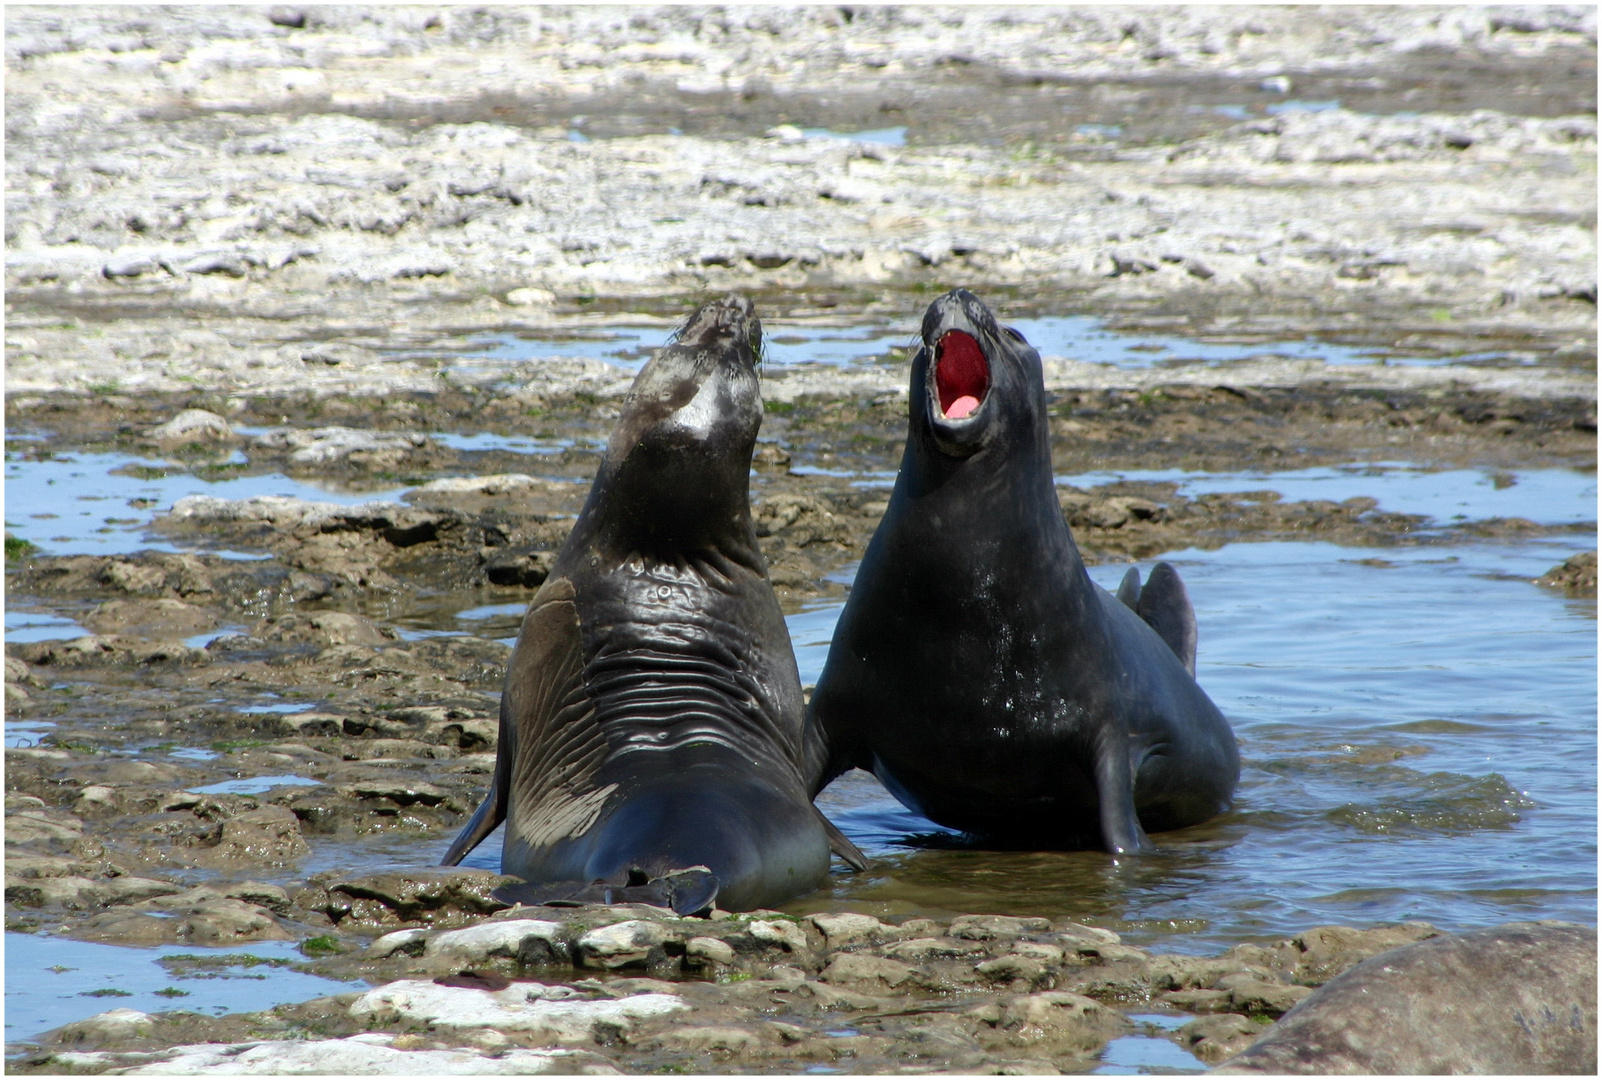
[[960, 408]]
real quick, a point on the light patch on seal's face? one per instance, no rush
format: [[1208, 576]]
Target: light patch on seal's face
[[962, 374]]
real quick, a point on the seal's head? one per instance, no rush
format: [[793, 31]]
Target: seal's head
[[975, 382], [677, 468]]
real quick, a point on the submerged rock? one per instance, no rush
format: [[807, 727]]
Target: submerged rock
[[1576, 576]]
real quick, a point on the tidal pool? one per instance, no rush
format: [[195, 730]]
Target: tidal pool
[[52, 981]]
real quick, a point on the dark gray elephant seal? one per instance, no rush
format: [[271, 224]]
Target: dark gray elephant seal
[[1513, 1000], [651, 721], [976, 669]]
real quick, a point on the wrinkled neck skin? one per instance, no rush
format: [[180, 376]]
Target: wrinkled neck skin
[[674, 484], [993, 465]]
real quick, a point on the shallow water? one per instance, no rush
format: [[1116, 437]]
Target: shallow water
[[1418, 738], [1544, 496], [629, 341], [52, 981], [82, 503]]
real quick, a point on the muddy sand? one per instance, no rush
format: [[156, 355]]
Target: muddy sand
[[312, 225]]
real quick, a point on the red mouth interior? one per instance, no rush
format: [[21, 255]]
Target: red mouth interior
[[961, 374]]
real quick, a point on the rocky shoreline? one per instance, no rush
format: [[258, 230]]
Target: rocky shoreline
[[274, 242], [627, 988]]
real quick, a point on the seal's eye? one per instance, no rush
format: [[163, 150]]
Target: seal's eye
[[1014, 334], [962, 374]]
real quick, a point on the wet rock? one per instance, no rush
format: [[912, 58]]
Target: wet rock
[[431, 896], [158, 617], [410, 941], [1250, 995], [1214, 1038], [95, 799], [26, 865], [624, 944], [1317, 955], [549, 1014], [847, 928], [1198, 1000], [723, 1041], [529, 941], [398, 791], [922, 950], [32, 826], [799, 519], [1071, 935], [709, 950], [866, 974], [1017, 972], [80, 893], [212, 923], [97, 650], [191, 426], [269, 835], [1576, 576], [328, 628], [995, 927], [781, 932], [528, 569], [103, 1028], [1515, 999], [342, 445], [1067, 1023]]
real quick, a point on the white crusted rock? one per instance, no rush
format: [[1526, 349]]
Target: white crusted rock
[[525, 1007]]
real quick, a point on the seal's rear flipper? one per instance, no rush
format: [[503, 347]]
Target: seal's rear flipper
[[841, 846], [687, 892], [1129, 589], [1165, 606]]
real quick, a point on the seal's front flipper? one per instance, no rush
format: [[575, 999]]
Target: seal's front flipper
[[1129, 589], [1165, 605], [1121, 833], [490, 813], [841, 846]]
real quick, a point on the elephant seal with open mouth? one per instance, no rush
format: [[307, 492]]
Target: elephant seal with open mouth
[[976, 669], [651, 735]]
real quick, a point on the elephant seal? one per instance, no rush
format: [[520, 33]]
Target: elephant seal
[[1513, 1000], [976, 669], [651, 726]]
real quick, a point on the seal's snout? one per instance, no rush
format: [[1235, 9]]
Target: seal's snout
[[962, 374], [728, 320]]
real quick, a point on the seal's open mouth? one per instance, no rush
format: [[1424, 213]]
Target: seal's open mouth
[[962, 375]]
